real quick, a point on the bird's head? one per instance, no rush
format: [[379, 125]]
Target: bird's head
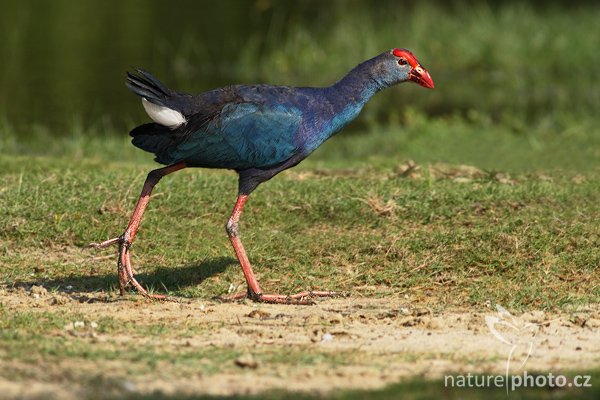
[[401, 65], [409, 65]]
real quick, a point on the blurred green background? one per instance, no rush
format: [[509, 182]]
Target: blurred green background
[[517, 72]]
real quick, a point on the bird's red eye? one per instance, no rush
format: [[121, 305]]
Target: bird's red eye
[[405, 57]]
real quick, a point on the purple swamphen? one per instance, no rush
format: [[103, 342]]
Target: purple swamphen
[[256, 130]]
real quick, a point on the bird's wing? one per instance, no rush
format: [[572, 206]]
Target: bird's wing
[[240, 136], [261, 134]]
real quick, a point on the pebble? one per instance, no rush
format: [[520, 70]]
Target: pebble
[[231, 288], [258, 314], [336, 319], [246, 361], [58, 300], [38, 290], [433, 324], [327, 337], [312, 320], [129, 386]]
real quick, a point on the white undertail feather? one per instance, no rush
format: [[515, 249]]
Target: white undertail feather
[[163, 115]]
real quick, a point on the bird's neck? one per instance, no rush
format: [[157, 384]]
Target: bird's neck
[[360, 84], [343, 102], [347, 97]]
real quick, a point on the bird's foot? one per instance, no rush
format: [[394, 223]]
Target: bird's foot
[[302, 298], [124, 268], [106, 243]]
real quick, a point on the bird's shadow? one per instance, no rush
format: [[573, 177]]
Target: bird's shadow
[[161, 278]]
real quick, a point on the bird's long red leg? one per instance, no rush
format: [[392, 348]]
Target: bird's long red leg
[[254, 292], [125, 241]]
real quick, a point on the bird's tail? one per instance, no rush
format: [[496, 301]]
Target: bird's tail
[[145, 85], [154, 138], [160, 102], [163, 106]]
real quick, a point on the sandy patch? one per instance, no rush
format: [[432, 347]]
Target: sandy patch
[[356, 343]]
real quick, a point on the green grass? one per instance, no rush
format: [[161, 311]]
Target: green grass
[[519, 231], [486, 216]]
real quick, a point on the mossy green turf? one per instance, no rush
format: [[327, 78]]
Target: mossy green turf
[[346, 219], [521, 231]]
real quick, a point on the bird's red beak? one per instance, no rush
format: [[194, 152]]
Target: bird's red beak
[[420, 75]]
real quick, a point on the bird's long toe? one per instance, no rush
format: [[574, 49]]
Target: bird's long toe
[[124, 267], [106, 243], [302, 298], [127, 278]]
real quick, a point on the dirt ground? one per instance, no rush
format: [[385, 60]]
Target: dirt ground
[[355, 343]]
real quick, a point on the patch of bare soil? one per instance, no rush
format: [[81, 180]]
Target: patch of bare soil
[[354, 343]]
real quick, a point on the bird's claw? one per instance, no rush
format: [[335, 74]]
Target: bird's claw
[[121, 240], [303, 298], [124, 268]]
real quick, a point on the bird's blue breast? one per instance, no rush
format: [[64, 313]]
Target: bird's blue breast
[[332, 125], [325, 118]]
